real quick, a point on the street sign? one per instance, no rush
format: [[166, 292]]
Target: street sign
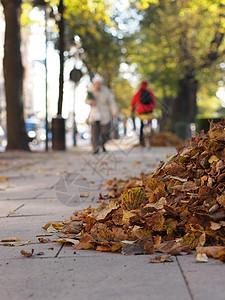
[[75, 75]]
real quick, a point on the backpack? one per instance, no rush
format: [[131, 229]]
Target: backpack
[[146, 97]]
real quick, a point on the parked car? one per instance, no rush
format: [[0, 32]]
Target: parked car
[[3, 139]]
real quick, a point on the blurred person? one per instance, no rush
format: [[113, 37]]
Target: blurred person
[[143, 103], [103, 111]]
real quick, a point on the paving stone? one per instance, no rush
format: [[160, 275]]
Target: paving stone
[[205, 280], [104, 276]]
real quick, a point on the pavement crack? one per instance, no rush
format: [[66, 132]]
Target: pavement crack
[[60, 249], [185, 279]]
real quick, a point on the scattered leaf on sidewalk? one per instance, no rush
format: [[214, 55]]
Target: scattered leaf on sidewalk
[[26, 254], [136, 163], [43, 235], [53, 227], [3, 179], [12, 213], [12, 239], [44, 240], [17, 243], [161, 259], [67, 240], [86, 195]]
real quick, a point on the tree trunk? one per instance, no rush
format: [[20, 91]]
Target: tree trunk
[[13, 75], [185, 106]]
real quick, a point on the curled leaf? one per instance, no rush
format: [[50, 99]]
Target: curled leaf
[[12, 239], [27, 254], [20, 243], [67, 240]]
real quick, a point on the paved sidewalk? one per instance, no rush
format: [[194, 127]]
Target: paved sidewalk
[[36, 188]]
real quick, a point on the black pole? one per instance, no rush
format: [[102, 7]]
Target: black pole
[[46, 81], [74, 120], [58, 123], [61, 56]]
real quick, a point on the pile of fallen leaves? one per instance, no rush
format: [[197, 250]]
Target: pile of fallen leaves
[[166, 139], [179, 208]]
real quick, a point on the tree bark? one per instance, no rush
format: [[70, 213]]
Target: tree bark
[[185, 106], [13, 75]]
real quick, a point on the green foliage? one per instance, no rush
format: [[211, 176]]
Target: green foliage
[[92, 22], [177, 40]]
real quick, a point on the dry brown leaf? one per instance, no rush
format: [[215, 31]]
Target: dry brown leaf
[[27, 254], [68, 240], [44, 240], [20, 243], [11, 239], [132, 249], [210, 251], [161, 259], [215, 226], [221, 255]]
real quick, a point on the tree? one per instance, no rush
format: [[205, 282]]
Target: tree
[[13, 75], [177, 47], [91, 21]]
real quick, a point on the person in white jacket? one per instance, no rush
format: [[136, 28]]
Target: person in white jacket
[[103, 111]]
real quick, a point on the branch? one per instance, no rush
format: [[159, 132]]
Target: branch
[[213, 53]]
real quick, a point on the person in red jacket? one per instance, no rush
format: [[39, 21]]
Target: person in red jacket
[[143, 102]]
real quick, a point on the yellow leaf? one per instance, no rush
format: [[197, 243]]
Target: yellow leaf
[[57, 225], [17, 243], [213, 158], [67, 240], [3, 179], [127, 214]]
